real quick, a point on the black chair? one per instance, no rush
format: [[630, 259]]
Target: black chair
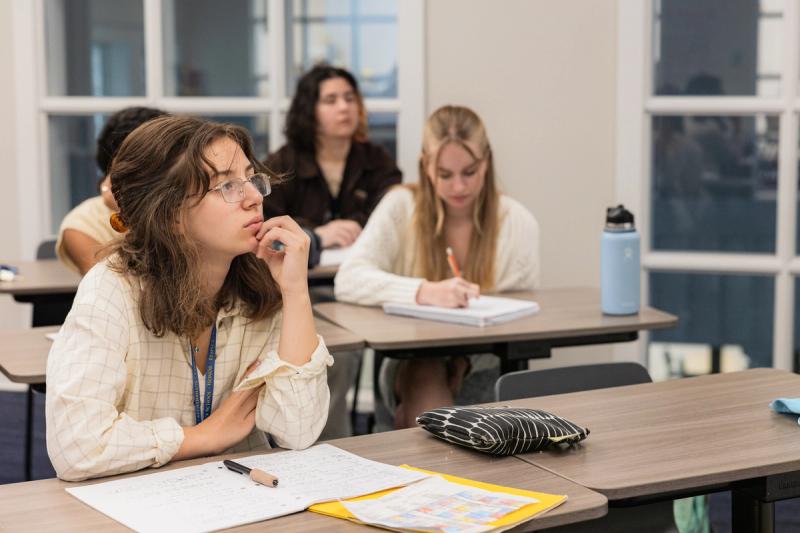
[[533, 383], [51, 309], [655, 517]]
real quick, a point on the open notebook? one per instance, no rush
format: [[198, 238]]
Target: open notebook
[[208, 497], [334, 256], [483, 311]]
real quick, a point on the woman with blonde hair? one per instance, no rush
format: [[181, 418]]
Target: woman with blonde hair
[[148, 365], [401, 256]]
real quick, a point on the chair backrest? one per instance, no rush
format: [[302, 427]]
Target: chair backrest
[[46, 250], [532, 383], [50, 310]]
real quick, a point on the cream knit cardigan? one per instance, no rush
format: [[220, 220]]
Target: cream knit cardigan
[[381, 265]]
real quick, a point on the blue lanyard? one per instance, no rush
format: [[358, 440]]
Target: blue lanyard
[[209, 395]]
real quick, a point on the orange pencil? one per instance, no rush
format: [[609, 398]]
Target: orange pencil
[[451, 260]]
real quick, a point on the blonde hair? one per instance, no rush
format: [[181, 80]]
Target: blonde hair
[[461, 126]]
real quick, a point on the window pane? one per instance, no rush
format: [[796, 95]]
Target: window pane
[[94, 47], [74, 175], [714, 183], [732, 313], [355, 34], [713, 47], [383, 131], [214, 48], [256, 125]]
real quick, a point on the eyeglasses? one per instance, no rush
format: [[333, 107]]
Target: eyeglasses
[[232, 190]]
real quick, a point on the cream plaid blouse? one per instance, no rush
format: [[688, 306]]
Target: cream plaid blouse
[[117, 396]]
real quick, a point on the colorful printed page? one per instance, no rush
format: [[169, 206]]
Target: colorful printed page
[[436, 504], [542, 501]]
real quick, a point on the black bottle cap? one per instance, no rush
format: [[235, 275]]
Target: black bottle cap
[[619, 215]]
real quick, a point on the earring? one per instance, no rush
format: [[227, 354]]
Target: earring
[[116, 222]]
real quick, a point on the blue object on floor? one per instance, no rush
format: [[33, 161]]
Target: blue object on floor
[[786, 405]]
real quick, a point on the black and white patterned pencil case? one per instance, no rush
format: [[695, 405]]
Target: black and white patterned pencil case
[[501, 430]]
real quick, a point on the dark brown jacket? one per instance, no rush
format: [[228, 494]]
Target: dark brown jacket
[[305, 196]]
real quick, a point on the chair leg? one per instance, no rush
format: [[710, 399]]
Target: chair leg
[[29, 435], [354, 409]]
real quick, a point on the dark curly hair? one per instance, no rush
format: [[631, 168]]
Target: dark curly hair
[[301, 121], [119, 125]]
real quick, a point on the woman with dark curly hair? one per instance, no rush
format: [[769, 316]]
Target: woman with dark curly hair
[[336, 176], [195, 335]]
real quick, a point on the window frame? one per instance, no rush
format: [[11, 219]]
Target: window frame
[[635, 106], [34, 106]]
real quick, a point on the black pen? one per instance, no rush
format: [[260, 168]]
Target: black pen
[[259, 476]]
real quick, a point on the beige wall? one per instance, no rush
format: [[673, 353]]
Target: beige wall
[[542, 75], [12, 314]]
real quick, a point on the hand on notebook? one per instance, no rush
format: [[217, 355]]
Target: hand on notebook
[[453, 292]]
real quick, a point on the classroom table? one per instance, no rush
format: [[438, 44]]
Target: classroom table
[[24, 359], [683, 437], [43, 277], [48, 285], [51, 287], [22, 504], [48, 278], [568, 317], [24, 355]]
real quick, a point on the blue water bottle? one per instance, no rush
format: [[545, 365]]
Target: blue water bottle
[[619, 263]]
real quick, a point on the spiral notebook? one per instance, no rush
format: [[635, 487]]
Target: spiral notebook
[[483, 311]]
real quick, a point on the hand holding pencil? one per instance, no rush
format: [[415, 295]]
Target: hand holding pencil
[[453, 292]]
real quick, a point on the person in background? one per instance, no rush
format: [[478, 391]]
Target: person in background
[[193, 300], [401, 257], [86, 229], [336, 177]]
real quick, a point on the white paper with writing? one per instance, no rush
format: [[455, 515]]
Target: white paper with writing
[[209, 497]]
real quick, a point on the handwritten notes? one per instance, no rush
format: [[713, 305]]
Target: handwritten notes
[[209, 497]]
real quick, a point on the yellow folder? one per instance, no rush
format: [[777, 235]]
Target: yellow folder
[[545, 503]]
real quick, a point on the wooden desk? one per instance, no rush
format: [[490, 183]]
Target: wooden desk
[[42, 277], [48, 277], [322, 274], [23, 357], [568, 317], [683, 437], [21, 504]]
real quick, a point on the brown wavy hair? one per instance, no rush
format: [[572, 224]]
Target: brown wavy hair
[[458, 125], [160, 170]]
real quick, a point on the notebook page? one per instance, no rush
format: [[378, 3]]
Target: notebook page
[[480, 312], [209, 497], [334, 256]]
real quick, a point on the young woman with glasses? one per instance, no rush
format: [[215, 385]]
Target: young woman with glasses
[[191, 301]]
